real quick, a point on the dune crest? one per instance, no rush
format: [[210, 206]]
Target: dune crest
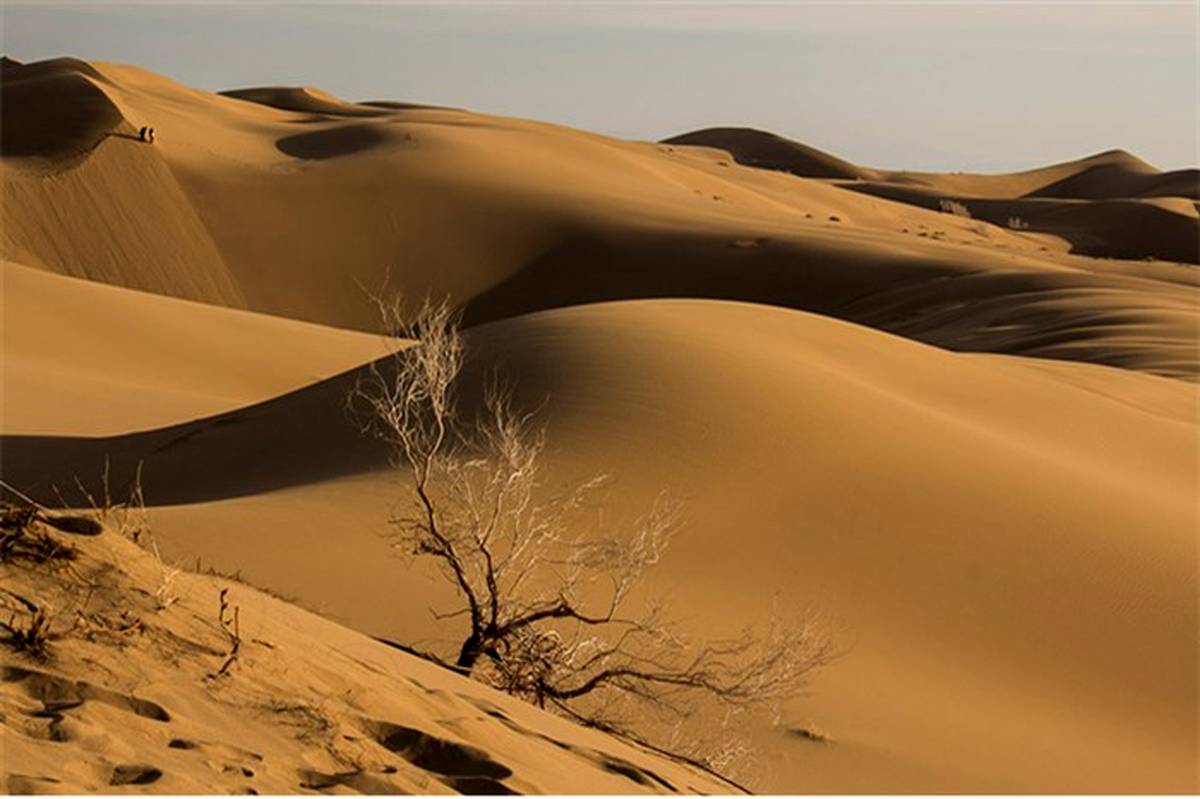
[[768, 151], [304, 99], [55, 110]]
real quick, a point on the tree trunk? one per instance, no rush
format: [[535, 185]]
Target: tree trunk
[[472, 648]]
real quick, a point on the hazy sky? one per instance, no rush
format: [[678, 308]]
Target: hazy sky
[[937, 85]]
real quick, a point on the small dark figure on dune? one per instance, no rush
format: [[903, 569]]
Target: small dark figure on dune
[[146, 134]]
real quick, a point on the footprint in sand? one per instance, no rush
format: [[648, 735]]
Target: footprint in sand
[[466, 769], [134, 774]]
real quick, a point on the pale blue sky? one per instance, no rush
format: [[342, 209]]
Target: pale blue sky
[[934, 85]]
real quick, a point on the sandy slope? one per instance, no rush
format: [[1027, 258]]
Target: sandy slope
[[1005, 540], [82, 358], [281, 201], [127, 701]]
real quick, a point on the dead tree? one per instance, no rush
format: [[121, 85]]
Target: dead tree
[[547, 594]]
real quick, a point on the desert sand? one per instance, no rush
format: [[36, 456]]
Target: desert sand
[[309, 706], [972, 445]]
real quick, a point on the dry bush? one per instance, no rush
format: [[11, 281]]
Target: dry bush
[[22, 533], [26, 544], [27, 628], [954, 207], [545, 593], [22, 537]]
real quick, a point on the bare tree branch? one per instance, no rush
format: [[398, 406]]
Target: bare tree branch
[[546, 587]]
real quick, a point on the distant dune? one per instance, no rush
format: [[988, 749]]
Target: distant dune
[[1107, 175], [1163, 228], [1119, 174], [769, 151], [306, 100], [972, 443], [1120, 223]]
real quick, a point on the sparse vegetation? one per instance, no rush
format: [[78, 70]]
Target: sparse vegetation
[[546, 594], [810, 732], [230, 621], [954, 207], [164, 594], [27, 628], [40, 556], [128, 518], [22, 537], [22, 534]]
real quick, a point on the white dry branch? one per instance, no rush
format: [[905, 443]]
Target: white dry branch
[[545, 592]]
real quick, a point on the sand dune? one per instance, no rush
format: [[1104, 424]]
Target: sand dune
[[1123, 224], [88, 359], [1103, 181], [914, 492], [305, 99], [273, 210], [118, 218], [972, 446], [1142, 320], [1162, 228], [769, 151], [307, 706], [1107, 175], [53, 109], [317, 102]]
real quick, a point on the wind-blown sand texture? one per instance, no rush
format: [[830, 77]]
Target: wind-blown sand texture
[[307, 706], [974, 446]]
